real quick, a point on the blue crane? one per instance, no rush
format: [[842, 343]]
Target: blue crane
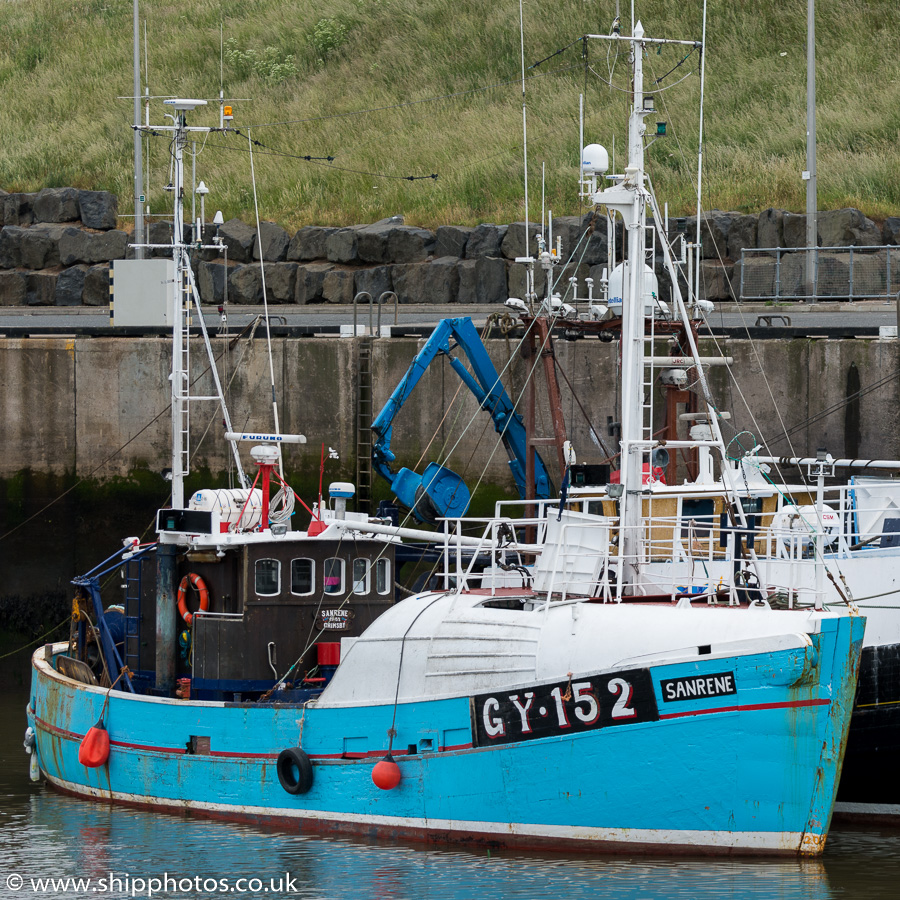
[[439, 492]]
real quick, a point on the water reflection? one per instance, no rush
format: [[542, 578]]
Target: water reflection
[[44, 834]]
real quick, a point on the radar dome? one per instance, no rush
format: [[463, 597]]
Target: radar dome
[[620, 284], [594, 160]]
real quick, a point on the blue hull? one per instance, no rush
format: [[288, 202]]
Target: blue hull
[[750, 764]]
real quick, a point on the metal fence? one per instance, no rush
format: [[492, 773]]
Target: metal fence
[[841, 273]]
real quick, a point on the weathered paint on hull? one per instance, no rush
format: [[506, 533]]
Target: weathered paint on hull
[[752, 772], [475, 834]]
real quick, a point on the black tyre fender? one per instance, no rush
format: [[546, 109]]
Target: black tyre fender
[[294, 770]]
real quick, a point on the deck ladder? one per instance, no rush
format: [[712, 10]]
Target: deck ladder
[[134, 569], [649, 339], [185, 386], [364, 426]]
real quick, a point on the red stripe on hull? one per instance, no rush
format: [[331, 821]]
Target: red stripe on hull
[[149, 748], [379, 754], [750, 707]]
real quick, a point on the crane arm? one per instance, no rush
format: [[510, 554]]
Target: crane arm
[[485, 385]]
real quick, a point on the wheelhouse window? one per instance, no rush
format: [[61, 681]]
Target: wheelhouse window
[[697, 518], [303, 576], [383, 576], [361, 576], [268, 577], [334, 575]]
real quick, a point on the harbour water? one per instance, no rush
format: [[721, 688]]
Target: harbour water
[[120, 852]]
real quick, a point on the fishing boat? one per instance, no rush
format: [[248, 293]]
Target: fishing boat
[[556, 696]]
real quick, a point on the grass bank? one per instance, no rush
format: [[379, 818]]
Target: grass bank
[[357, 80]]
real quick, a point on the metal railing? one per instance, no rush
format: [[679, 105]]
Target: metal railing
[[691, 558], [841, 273], [365, 295]]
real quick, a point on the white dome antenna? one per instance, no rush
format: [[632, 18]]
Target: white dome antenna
[[594, 162], [184, 105]]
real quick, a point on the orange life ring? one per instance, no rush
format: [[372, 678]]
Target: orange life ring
[[200, 586]]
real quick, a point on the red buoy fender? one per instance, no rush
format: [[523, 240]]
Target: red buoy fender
[[94, 748], [200, 586], [386, 773]]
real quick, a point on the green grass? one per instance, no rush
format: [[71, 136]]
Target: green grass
[[64, 67]]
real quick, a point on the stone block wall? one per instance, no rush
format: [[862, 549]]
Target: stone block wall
[[321, 264], [56, 247]]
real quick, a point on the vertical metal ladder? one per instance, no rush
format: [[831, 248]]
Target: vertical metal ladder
[[184, 387], [649, 339], [364, 425], [134, 569]]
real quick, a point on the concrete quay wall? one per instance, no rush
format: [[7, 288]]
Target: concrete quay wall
[[98, 407]]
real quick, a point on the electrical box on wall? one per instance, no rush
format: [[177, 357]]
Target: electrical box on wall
[[140, 292]]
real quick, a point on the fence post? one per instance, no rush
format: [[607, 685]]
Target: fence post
[[743, 269], [887, 279], [815, 285], [777, 274], [851, 274]]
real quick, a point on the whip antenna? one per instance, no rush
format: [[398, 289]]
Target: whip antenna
[[524, 124]]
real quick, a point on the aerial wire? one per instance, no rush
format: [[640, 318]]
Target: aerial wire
[[451, 96], [262, 272], [524, 125], [700, 143]]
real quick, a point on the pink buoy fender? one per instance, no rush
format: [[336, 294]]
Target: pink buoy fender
[[94, 748], [386, 773]]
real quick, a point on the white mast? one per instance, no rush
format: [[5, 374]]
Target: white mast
[[138, 150], [629, 198], [633, 325], [180, 308], [810, 174], [183, 290]]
